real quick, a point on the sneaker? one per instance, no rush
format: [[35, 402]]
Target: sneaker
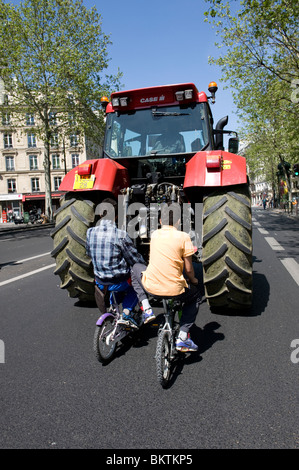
[[148, 316], [129, 319], [186, 345]]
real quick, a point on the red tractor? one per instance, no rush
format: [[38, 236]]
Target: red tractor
[[160, 146]]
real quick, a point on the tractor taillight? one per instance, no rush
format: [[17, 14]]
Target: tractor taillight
[[213, 161], [84, 169]]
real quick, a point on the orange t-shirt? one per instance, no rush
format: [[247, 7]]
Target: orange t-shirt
[[164, 273]]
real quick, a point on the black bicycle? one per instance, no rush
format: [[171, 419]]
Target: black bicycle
[[167, 335]]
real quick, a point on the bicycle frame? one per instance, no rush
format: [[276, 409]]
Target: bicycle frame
[[118, 332], [169, 325]]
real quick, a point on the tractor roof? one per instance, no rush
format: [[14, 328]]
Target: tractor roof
[[182, 93]]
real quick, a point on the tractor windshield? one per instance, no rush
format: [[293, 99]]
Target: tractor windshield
[[168, 130]]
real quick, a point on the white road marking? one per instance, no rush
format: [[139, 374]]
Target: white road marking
[[290, 264], [22, 276], [32, 257], [292, 267], [274, 244], [263, 231]]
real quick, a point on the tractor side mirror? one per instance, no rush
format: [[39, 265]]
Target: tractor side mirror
[[233, 145]]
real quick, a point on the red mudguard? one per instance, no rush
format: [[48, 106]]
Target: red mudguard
[[96, 175], [205, 169], [215, 168]]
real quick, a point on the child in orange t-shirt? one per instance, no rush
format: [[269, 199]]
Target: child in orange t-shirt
[[171, 253]]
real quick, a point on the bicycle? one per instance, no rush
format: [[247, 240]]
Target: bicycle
[[111, 329], [167, 335]]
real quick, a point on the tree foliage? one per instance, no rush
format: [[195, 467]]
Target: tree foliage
[[259, 58], [53, 54]]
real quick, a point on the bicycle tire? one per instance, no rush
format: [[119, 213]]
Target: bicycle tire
[[104, 352], [163, 358]]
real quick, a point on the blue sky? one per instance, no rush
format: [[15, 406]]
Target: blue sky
[[163, 42], [160, 42]]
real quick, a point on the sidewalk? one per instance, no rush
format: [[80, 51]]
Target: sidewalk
[[278, 210], [11, 226]]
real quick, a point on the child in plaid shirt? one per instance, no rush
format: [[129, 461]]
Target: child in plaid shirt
[[113, 254]]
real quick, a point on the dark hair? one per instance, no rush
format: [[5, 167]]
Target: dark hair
[[107, 208], [170, 213]]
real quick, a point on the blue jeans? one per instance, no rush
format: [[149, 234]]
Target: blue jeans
[[190, 298], [129, 300]]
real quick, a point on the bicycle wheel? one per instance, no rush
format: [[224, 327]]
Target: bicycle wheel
[[104, 349], [163, 358]]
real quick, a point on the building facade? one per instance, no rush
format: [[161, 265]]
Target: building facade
[[22, 175]]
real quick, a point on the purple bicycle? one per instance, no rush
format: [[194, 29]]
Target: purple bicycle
[[111, 329]]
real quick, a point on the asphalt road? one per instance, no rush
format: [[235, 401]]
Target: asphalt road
[[239, 392]]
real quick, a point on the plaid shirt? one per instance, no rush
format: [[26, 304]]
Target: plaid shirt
[[112, 252]]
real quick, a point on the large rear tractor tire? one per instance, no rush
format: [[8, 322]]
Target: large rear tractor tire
[[73, 266], [227, 248]]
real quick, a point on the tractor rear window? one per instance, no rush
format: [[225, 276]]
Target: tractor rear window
[[157, 131]]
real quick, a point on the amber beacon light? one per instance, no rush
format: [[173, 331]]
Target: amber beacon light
[[212, 89], [104, 102]]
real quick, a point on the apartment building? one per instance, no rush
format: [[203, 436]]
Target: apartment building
[[22, 175]]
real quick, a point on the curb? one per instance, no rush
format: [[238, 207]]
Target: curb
[[23, 227]]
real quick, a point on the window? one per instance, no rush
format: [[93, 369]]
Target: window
[[54, 140], [34, 184], [31, 140], [33, 165], [57, 181], [11, 186], [165, 130], [7, 141], [55, 161], [75, 160], [72, 119], [73, 140], [5, 119], [10, 163], [30, 119], [52, 119]]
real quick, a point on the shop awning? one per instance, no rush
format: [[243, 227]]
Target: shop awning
[[39, 196]]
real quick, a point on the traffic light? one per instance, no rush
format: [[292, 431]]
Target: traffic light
[[296, 169]]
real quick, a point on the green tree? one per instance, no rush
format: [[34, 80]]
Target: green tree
[[260, 60], [52, 57]]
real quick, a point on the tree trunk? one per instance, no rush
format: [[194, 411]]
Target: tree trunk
[[48, 196]]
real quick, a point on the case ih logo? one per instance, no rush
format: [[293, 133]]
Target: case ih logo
[[152, 99]]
